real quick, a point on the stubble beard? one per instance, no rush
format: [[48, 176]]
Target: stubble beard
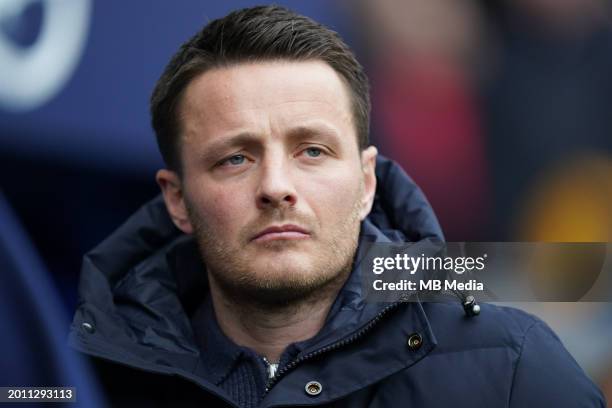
[[232, 273]]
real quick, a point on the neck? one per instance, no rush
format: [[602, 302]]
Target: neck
[[269, 329]]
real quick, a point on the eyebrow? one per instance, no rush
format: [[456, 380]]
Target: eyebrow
[[249, 139], [301, 132]]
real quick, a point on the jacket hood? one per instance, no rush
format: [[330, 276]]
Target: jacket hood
[[138, 287], [400, 209]]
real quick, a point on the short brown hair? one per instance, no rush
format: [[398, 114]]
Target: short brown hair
[[247, 35]]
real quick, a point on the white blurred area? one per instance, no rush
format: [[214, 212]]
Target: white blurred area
[[33, 73]]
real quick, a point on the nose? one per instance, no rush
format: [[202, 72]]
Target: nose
[[276, 188]]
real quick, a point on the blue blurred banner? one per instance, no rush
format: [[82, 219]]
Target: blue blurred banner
[[33, 345], [77, 74]]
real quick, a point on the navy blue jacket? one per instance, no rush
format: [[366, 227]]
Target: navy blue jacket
[[139, 288]]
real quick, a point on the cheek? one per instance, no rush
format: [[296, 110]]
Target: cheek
[[220, 209], [332, 200]]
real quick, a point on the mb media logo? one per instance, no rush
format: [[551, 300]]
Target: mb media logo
[[41, 42]]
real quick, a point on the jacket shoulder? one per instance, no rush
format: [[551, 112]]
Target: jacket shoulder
[[522, 348], [495, 326], [546, 374]]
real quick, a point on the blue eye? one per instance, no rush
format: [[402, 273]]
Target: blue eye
[[313, 152], [235, 160]]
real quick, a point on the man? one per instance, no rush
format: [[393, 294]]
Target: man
[[240, 288]]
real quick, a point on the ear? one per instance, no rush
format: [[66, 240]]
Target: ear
[[172, 189], [368, 165]]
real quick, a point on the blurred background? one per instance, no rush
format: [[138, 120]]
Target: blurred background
[[501, 111]]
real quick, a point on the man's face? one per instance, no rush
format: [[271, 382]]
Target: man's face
[[274, 186]]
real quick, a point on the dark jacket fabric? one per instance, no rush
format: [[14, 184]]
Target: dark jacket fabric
[[140, 288]]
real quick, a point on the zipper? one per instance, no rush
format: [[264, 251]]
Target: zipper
[[271, 368], [334, 346]]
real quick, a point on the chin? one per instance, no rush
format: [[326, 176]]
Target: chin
[[271, 278], [283, 287], [288, 268]]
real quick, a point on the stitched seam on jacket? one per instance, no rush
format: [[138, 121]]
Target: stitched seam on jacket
[[518, 360]]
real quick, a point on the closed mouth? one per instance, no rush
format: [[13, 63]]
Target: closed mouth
[[281, 232]]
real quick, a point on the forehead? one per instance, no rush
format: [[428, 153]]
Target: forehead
[[264, 96]]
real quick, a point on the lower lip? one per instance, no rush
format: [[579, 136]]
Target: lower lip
[[285, 235]]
